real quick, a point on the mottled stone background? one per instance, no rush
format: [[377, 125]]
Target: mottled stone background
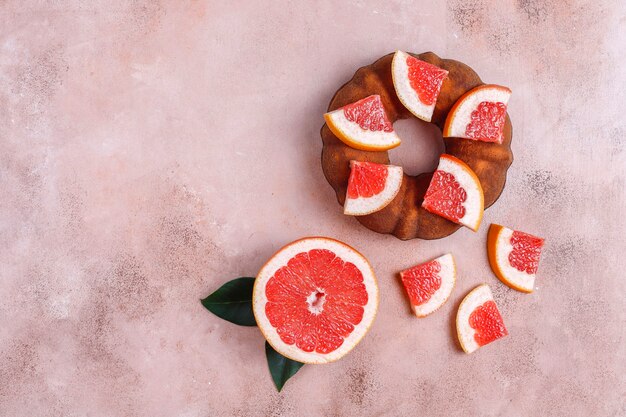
[[151, 150]]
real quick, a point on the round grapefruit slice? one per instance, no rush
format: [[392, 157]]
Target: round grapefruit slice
[[514, 256], [417, 84], [455, 193], [363, 125], [371, 187], [315, 299], [478, 321], [430, 284], [479, 114]]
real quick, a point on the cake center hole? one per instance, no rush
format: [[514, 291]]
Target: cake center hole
[[316, 301], [421, 146]]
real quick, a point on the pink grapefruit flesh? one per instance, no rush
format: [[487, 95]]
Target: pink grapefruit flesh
[[429, 285], [371, 187], [514, 256], [455, 193], [478, 320], [526, 252], [480, 114], [417, 84], [366, 179], [363, 125], [487, 322], [369, 114], [487, 122], [315, 299], [445, 196]]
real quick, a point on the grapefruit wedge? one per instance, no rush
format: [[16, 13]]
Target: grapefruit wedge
[[315, 299], [417, 84], [479, 114], [430, 284], [455, 193], [371, 187], [363, 125], [514, 256], [478, 321]]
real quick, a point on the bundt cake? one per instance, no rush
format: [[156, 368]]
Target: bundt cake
[[404, 217]]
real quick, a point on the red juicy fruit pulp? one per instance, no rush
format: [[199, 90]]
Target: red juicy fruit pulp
[[422, 281], [425, 79], [367, 179], [488, 323], [368, 113], [487, 122], [445, 196], [526, 252], [315, 300]]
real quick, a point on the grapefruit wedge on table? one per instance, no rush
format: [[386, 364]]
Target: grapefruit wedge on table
[[430, 284], [363, 125], [478, 320], [479, 114], [417, 84], [315, 299], [514, 256], [371, 187], [455, 193]]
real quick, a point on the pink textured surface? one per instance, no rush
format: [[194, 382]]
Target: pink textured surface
[[150, 151]]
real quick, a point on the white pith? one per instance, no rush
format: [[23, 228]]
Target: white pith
[[280, 259], [474, 204], [477, 297], [448, 278], [365, 205], [316, 308], [503, 249], [356, 133], [462, 113], [407, 95]]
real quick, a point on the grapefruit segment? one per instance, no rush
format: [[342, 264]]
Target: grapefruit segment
[[371, 187], [417, 84], [430, 284], [514, 256], [363, 125], [455, 193], [478, 320], [479, 114], [315, 299]]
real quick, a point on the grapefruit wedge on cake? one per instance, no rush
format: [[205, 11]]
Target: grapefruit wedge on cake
[[514, 256], [363, 125], [315, 299], [455, 193], [479, 114], [478, 320], [417, 84], [429, 284], [371, 187]]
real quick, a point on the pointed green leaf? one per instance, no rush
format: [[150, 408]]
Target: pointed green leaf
[[281, 368], [233, 302]]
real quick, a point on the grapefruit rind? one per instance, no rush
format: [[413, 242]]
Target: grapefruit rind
[[498, 249], [467, 179], [278, 260], [356, 137], [405, 92], [439, 298], [460, 114], [477, 297], [366, 205]]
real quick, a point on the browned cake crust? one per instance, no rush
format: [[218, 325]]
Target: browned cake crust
[[404, 217]]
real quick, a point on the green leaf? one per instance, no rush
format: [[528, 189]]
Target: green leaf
[[281, 368], [233, 302]]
